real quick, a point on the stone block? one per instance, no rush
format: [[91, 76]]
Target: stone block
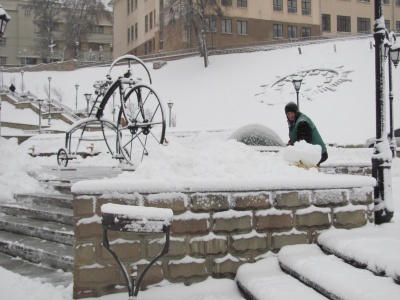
[[130, 199], [232, 221], [330, 197], [251, 201], [206, 202], [84, 292], [313, 219], [280, 221], [250, 242], [187, 267], [88, 230], [154, 274], [84, 206], [349, 219], [126, 250], [361, 196], [92, 275], [226, 268], [178, 202], [176, 247], [292, 199], [293, 238], [208, 245], [190, 223], [85, 253]]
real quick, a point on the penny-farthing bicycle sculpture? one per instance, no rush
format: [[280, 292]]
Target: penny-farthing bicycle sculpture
[[140, 125]]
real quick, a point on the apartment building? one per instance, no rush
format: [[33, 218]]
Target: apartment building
[[142, 26], [17, 47]]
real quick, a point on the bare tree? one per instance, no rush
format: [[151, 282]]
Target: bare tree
[[47, 14], [80, 18], [194, 12]]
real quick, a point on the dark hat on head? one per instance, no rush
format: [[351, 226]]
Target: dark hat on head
[[291, 107]]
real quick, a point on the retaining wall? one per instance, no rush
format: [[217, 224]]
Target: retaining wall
[[213, 231]]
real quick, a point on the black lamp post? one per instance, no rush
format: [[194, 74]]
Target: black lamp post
[[49, 78], [297, 85], [170, 104], [88, 97], [76, 96], [40, 102], [381, 162], [4, 19]]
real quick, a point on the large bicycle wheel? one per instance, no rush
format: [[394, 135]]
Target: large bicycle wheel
[[62, 157], [141, 123]]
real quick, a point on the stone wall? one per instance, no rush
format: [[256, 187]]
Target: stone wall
[[212, 233]]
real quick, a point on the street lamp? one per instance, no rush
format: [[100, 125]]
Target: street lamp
[[40, 102], [76, 97], [4, 19], [381, 162], [77, 49], [49, 78], [88, 97], [170, 104], [22, 75], [297, 85]]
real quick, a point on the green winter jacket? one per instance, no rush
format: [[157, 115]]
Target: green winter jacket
[[307, 131]]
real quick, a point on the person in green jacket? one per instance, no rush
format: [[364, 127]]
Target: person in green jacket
[[302, 128]]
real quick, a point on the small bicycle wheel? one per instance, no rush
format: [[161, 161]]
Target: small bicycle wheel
[[62, 157], [141, 123]]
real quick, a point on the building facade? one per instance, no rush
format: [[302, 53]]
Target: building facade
[[17, 47], [143, 27]]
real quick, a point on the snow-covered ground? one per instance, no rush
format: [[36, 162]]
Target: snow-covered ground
[[210, 104]]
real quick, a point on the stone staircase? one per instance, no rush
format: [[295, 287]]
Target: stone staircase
[[38, 230], [307, 272]]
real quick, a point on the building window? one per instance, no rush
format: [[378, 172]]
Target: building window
[[386, 2], [387, 25], [292, 32], [154, 18], [129, 35], [146, 23], [132, 33], [363, 25], [343, 24], [128, 9], [226, 26], [278, 30], [292, 6], [278, 5], [241, 3], [98, 29], [151, 20], [210, 24], [241, 27], [226, 2], [3, 60], [3, 42], [306, 7], [326, 23], [136, 31], [397, 2], [397, 26], [305, 32]]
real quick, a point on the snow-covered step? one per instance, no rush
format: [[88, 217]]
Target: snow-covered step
[[55, 255], [333, 277], [60, 200], [53, 214], [38, 272], [51, 231], [264, 280], [64, 188], [362, 248]]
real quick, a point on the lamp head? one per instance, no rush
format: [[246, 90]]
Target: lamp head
[[395, 53], [170, 104], [297, 83]]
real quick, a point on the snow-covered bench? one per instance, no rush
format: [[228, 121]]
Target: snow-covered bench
[[135, 219]]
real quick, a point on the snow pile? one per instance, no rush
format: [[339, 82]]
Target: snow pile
[[14, 172], [303, 152]]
